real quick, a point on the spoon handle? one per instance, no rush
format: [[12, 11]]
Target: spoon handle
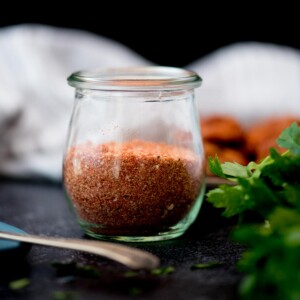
[[128, 256]]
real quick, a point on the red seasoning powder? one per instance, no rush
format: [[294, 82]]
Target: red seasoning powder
[[132, 188]]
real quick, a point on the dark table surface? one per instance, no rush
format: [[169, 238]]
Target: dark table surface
[[40, 208]]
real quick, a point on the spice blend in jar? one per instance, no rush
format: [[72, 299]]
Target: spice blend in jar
[[134, 188], [121, 182]]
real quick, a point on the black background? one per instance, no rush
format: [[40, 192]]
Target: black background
[[169, 34]]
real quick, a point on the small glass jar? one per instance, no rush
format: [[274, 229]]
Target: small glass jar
[[134, 162]]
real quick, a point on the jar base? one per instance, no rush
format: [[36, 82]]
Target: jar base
[[168, 233], [172, 234]]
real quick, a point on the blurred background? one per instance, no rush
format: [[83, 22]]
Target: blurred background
[[247, 81]]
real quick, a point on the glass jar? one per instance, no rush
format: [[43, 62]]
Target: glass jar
[[134, 161]]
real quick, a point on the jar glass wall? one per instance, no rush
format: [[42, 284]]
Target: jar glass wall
[[134, 161]]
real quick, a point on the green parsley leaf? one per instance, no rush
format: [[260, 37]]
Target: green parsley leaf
[[229, 197], [212, 264], [289, 139], [129, 274], [283, 170], [163, 271], [272, 261], [19, 284], [235, 170], [215, 166]]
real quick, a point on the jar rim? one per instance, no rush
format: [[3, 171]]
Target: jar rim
[[147, 78]]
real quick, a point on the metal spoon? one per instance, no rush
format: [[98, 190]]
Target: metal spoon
[[128, 256]]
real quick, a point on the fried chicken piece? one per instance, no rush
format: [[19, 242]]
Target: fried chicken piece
[[263, 135], [221, 129]]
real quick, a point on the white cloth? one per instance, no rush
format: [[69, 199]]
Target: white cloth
[[248, 80], [35, 100]]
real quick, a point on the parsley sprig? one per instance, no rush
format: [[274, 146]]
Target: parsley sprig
[[270, 188]]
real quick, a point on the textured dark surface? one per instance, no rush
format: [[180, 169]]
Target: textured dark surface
[[40, 208]]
